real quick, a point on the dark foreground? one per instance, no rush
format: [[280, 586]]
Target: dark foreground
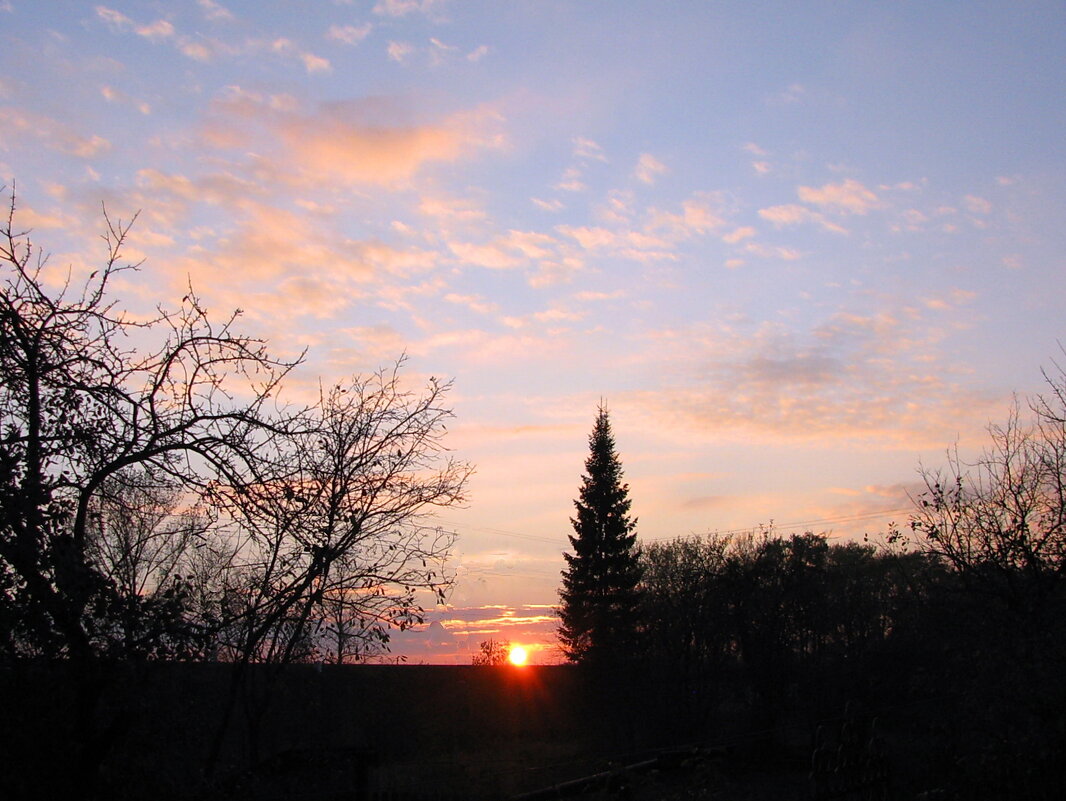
[[416, 733]]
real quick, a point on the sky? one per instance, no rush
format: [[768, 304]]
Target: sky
[[798, 249]]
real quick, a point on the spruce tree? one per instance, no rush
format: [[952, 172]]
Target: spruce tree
[[599, 594]]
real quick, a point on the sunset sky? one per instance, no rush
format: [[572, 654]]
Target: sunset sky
[[797, 248]]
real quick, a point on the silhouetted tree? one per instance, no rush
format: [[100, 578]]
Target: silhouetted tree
[[492, 652], [774, 620], [123, 440], [1000, 522], [997, 526], [599, 593]]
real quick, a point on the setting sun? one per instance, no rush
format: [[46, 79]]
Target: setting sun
[[518, 655]]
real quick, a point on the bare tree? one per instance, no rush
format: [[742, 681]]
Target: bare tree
[[133, 452], [80, 409], [341, 519], [1000, 521], [140, 531]]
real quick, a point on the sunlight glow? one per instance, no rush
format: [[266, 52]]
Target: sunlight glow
[[518, 655]]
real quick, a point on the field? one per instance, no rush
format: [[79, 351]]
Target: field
[[409, 732]]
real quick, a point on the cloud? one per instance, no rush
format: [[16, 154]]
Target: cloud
[[51, 133], [590, 238], [652, 236], [213, 11], [699, 214], [532, 244], [113, 95], [399, 51], [33, 220], [493, 256], [156, 31], [344, 143], [794, 214], [213, 189], [475, 303], [553, 205], [281, 265], [311, 62], [849, 197], [454, 633], [739, 234], [197, 51], [587, 149], [315, 64], [556, 314], [119, 23], [453, 209], [401, 8], [204, 49], [954, 299], [553, 272], [477, 53], [571, 181], [115, 20], [794, 94], [851, 376], [648, 168], [349, 34], [600, 296], [772, 251], [976, 205], [509, 250]]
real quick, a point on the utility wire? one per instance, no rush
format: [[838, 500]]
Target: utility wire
[[743, 530]]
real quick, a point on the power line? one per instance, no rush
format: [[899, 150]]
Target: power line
[[504, 532], [854, 518]]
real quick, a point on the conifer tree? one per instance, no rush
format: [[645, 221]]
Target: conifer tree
[[599, 593]]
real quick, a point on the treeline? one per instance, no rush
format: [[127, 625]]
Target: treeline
[[961, 662], [951, 630], [763, 633], [779, 621]]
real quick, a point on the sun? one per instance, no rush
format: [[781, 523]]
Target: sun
[[518, 655]]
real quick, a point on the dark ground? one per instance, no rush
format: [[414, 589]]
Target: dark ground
[[425, 732]]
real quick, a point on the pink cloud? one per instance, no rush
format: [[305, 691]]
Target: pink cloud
[[649, 168], [875, 377], [401, 8], [349, 34], [51, 133], [493, 255], [214, 11], [588, 150], [794, 214], [341, 143], [849, 197], [739, 234]]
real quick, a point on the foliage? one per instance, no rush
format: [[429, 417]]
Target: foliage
[[493, 652], [599, 594], [775, 612]]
